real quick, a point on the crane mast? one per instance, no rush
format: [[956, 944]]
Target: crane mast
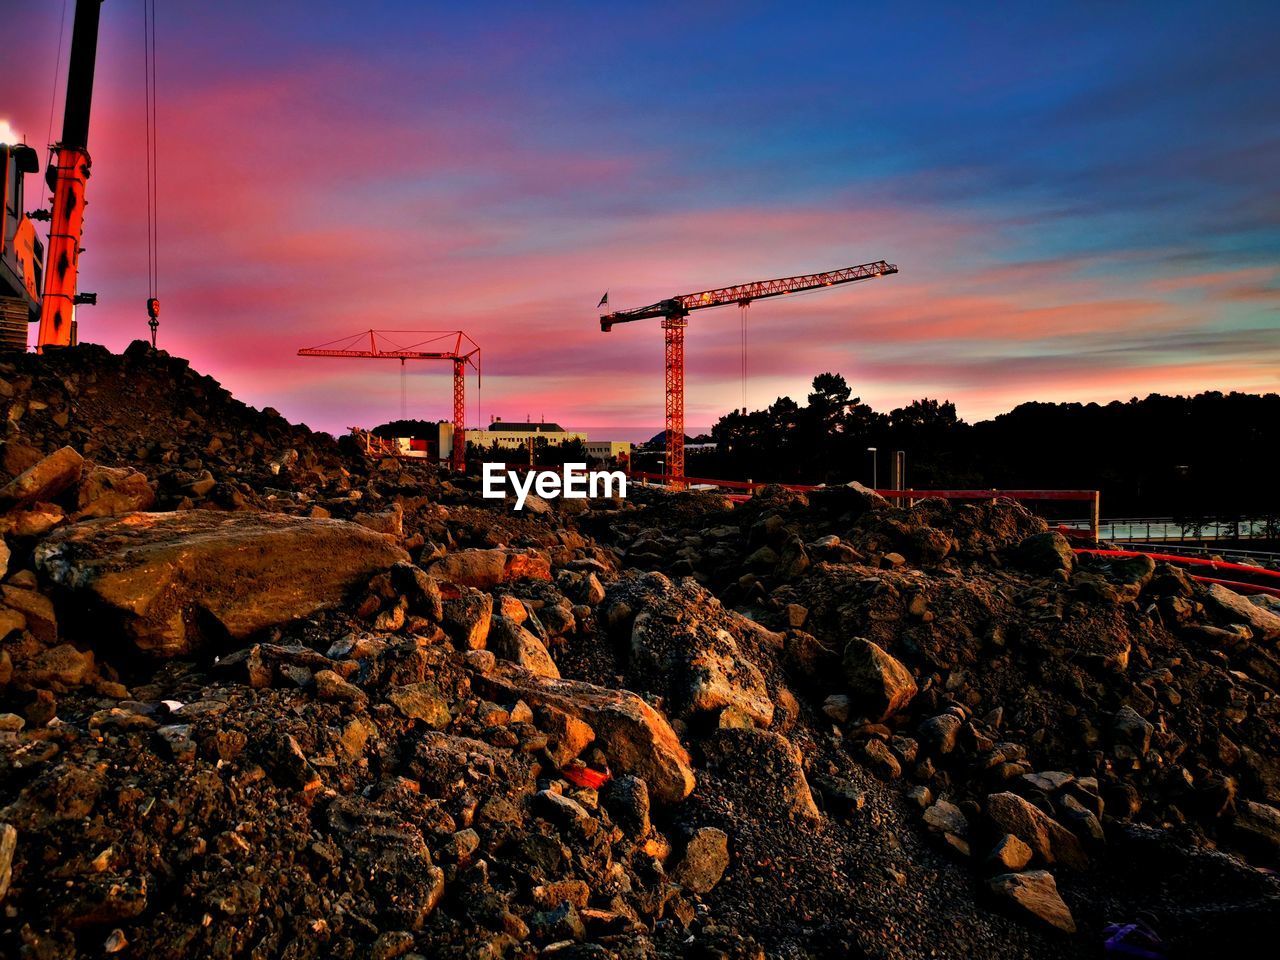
[[674, 313], [67, 175]]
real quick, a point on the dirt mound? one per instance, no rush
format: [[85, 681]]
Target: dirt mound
[[390, 718]]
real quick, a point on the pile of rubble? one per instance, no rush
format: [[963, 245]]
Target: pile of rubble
[[261, 697]]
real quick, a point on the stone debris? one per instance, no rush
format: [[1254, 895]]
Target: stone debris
[[261, 696]]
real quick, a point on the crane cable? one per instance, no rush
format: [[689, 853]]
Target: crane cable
[[742, 310], [153, 203], [57, 62]]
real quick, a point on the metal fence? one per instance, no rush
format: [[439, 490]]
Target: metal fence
[[1169, 530]]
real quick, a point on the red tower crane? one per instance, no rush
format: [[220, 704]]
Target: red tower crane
[[674, 314], [380, 346]]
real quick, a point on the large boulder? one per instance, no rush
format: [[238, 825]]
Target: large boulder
[[488, 568], [879, 684], [171, 581], [636, 738], [1050, 840]]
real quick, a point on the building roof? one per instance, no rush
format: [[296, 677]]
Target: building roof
[[500, 426]]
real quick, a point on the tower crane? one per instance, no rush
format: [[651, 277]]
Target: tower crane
[[380, 346], [674, 313]]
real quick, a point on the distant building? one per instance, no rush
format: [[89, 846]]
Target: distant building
[[511, 435], [610, 450]]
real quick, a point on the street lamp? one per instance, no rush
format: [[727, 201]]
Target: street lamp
[[662, 471], [874, 465]]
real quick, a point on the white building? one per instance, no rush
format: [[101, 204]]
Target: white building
[[513, 435]]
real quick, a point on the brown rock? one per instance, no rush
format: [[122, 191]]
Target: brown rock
[[8, 844], [1009, 855], [488, 568], [44, 480], [163, 576], [704, 862], [111, 491], [1036, 894], [636, 738], [35, 609], [510, 641], [568, 735], [1051, 841], [421, 701], [1236, 609], [467, 618], [879, 684]]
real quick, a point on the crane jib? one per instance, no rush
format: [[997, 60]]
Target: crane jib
[[746, 292]]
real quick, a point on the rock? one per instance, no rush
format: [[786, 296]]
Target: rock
[[331, 686], [1036, 894], [387, 522], [37, 612], [8, 844], [1258, 826], [111, 491], [467, 618], [1009, 855], [1051, 841], [484, 569], [167, 579], [1045, 553], [510, 641], [877, 755], [1236, 609], [421, 701], [837, 707], [768, 763], [681, 636], [944, 817], [939, 734], [636, 738], [626, 797], [568, 736], [880, 685], [1128, 728], [44, 480], [63, 664], [705, 859], [421, 590], [559, 809], [548, 895]]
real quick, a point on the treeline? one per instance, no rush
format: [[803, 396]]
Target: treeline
[[1208, 455]]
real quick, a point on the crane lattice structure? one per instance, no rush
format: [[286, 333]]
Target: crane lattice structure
[[382, 346], [674, 313]]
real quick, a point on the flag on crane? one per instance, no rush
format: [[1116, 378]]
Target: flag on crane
[[604, 301]]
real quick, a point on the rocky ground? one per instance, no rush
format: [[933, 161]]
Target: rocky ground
[[260, 697]]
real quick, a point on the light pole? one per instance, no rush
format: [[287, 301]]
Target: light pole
[[662, 470], [874, 466]]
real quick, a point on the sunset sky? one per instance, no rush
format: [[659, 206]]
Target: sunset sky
[[1082, 198]]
